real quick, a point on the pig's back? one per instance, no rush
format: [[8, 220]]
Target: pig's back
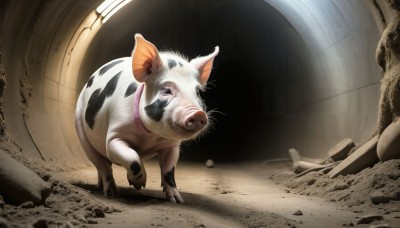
[[110, 89]]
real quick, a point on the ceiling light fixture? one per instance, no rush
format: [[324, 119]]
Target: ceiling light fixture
[[110, 7]]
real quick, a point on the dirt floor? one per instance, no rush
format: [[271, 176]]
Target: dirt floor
[[263, 194], [248, 194]]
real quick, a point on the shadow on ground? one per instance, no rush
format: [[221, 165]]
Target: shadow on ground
[[196, 205]]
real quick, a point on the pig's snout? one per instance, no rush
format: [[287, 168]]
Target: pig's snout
[[195, 120]]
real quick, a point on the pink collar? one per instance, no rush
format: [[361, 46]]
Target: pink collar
[[136, 107]]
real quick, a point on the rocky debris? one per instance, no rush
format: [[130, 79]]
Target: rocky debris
[[353, 180], [377, 185], [69, 206], [209, 163], [380, 226], [300, 166], [19, 183], [363, 157], [341, 150], [36, 205], [389, 142], [367, 219], [386, 187], [298, 213]]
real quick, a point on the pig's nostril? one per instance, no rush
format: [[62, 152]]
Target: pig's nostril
[[203, 122]]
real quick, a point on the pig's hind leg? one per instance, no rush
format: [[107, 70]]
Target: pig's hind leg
[[119, 152], [105, 178]]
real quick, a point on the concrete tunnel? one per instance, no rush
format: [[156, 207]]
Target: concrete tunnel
[[290, 74]]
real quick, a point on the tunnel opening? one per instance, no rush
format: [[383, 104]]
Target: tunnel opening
[[290, 74]]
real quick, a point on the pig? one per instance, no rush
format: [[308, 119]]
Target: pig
[[137, 107]]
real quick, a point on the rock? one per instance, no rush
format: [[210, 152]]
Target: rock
[[3, 223], [363, 157], [380, 226], [44, 222], [389, 142], [341, 150], [20, 184], [378, 197], [98, 213], [27, 204], [386, 194], [295, 156], [367, 219], [210, 163], [303, 166], [298, 213], [91, 221]]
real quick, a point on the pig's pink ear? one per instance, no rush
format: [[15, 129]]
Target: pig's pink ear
[[145, 59], [204, 65]]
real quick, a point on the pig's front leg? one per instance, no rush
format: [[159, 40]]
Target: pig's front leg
[[119, 152], [167, 160]]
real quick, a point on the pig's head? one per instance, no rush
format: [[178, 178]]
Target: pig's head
[[170, 105]]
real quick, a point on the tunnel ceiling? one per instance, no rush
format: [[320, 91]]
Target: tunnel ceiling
[[290, 73]]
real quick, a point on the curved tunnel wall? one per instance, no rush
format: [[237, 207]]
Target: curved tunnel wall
[[308, 66]]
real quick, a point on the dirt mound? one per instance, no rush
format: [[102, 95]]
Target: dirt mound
[[67, 205], [371, 187]]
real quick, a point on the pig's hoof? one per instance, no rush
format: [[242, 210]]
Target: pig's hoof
[[173, 195], [110, 190], [138, 181]]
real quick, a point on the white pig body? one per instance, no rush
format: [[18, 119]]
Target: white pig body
[[137, 107]]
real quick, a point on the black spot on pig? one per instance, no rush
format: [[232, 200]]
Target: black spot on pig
[[105, 68], [97, 99], [171, 63], [131, 89], [180, 64], [90, 81], [169, 177], [135, 168], [156, 110]]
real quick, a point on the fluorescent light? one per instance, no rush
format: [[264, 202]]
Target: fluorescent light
[[110, 7], [104, 5], [114, 10]]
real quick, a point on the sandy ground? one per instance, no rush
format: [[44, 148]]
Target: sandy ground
[[229, 195]]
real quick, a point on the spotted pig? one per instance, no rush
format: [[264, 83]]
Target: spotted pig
[[136, 107]]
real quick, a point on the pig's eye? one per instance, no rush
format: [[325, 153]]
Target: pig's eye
[[166, 91]]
